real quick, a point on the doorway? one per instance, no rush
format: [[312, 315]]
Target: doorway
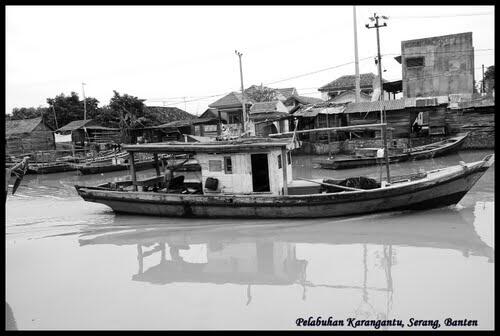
[[260, 173]]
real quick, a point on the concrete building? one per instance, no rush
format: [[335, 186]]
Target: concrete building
[[438, 66]]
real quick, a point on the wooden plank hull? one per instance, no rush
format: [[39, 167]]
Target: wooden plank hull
[[419, 153], [103, 168], [50, 169], [444, 187]]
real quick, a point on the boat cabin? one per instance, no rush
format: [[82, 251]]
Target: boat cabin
[[247, 166]]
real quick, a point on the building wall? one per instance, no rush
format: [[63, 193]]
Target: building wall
[[240, 181], [448, 66], [41, 138]]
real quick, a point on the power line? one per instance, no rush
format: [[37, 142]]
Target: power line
[[317, 71], [439, 16]]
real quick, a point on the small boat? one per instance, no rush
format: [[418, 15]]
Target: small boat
[[252, 178], [50, 167], [435, 149]]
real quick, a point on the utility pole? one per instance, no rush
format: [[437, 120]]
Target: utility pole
[[383, 132], [482, 84], [243, 121], [55, 116], [356, 59], [84, 103]]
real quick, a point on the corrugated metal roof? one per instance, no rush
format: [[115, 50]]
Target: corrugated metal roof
[[75, 124], [21, 126], [269, 116], [388, 105], [333, 110], [308, 112]]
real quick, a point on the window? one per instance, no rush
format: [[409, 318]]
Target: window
[[214, 165], [279, 161], [228, 165], [412, 62], [289, 157], [234, 118]]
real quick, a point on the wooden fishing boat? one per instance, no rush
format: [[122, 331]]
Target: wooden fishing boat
[[252, 178], [440, 148], [104, 167]]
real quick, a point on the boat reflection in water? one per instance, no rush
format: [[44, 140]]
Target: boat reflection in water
[[265, 252]]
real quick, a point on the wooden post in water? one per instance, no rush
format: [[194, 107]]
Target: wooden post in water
[[284, 166], [327, 126], [157, 166], [386, 155], [132, 170]]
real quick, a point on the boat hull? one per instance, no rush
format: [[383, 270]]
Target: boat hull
[[416, 155], [428, 193]]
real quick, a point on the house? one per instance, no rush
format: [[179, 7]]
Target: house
[[89, 131], [269, 117], [320, 115], [368, 83], [438, 66], [231, 110], [28, 135]]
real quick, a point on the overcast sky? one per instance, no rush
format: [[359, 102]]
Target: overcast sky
[[166, 53]]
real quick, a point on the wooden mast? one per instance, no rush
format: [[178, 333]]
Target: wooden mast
[[132, 170]]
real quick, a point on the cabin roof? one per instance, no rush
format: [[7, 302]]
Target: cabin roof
[[239, 145]]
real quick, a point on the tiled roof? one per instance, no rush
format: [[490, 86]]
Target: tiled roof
[[349, 82], [308, 100], [314, 110], [231, 99], [287, 92], [167, 114], [75, 124], [21, 126]]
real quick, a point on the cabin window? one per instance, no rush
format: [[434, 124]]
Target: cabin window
[[279, 161], [228, 165], [289, 157], [412, 62], [214, 165]]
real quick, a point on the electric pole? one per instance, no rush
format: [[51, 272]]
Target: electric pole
[[356, 60], [243, 121], [379, 58], [55, 116], [84, 103], [482, 84], [383, 132]]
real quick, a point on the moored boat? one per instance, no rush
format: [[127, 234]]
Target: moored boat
[[252, 178], [432, 150]]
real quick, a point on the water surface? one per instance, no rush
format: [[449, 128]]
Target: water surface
[[76, 265]]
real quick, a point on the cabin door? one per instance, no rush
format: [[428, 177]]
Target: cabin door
[[260, 173]]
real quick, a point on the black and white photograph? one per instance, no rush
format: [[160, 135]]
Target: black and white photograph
[[224, 167]]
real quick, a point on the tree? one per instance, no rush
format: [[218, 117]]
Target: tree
[[260, 93], [131, 112], [71, 108], [33, 112], [489, 79]]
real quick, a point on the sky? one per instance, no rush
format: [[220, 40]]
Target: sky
[[184, 56]]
